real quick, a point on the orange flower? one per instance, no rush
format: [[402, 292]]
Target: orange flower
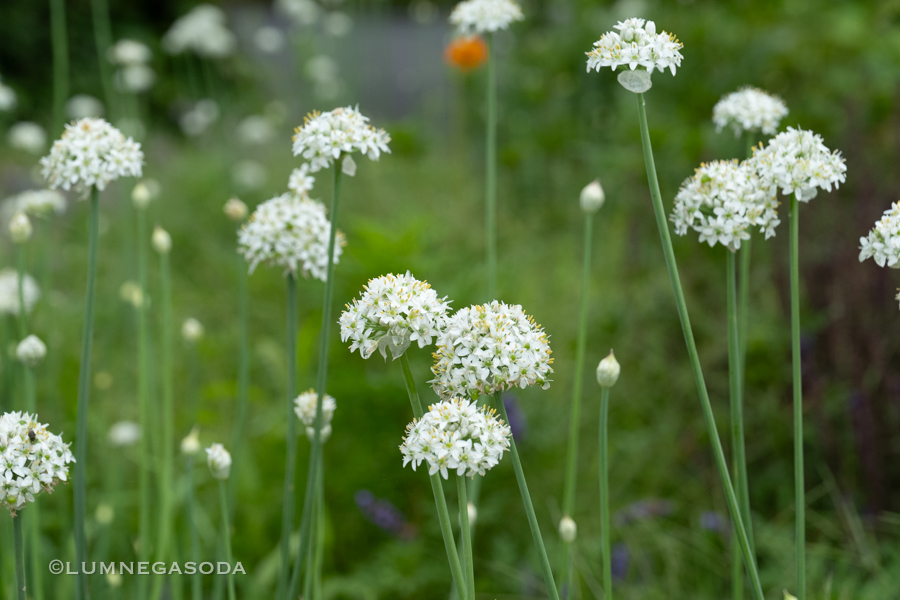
[[466, 53]]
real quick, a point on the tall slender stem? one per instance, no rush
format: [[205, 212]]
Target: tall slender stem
[[709, 418], [20, 558], [226, 536], [60, 43], [84, 389], [320, 538], [529, 507], [102, 42], [799, 485], [490, 157], [743, 307], [243, 380], [604, 494], [196, 578], [466, 535], [287, 515], [146, 416]]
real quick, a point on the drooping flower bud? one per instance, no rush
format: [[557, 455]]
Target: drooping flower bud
[[20, 228], [219, 461], [608, 371], [235, 210], [592, 197], [162, 241], [31, 351], [568, 530]]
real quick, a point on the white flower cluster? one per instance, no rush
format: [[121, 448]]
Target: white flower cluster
[[722, 200], [9, 292], [393, 312], [27, 136], [8, 99], [37, 203], [456, 434], [883, 242], [203, 31], [797, 161], [325, 136], [636, 45], [91, 152], [301, 182], [134, 74], [490, 348], [749, 109], [484, 16], [32, 460], [305, 409], [219, 461], [289, 232]]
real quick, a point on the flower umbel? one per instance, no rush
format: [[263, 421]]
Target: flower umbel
[[305, 409], [485, 16], [9, 292], [31, 351], [636, 45], [219, 461], [325, 136], [883, 242], [749, 109], [797, 161]]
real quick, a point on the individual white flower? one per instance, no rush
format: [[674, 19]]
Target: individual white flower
[[31, 351], [301, 182], [456, 435], [82, 106], [144, 192], [289, 232], [135, 79], [127, 52], [749, 109], [235, 210], [255, 130], [393, 312], [27, 136], [9, 292], [797, 161], [7, 98], [124, 433], [568, 530], [91, 153], [722, 201], [203, 31], [883, 242], [219, 461], [592, 197], [484, 16], [190, 445], [249, 175], [302, 12], [32, 460], [608, 371], [161, 240], [37, 203], [490, 348], [198, 118], [638, 47], [324, 137], [305, 409], [191, 330], [20, 228], [269, 39]]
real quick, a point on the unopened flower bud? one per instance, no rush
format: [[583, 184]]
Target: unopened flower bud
[[20, 228], [141, 195], [191, 331], [567, 529], [592, 197], [190, 445], [348, 167], [114, 579], [162, 241], [31, 351], [788, 596], [219, 461], [608, 371], [235, 210], [104, 514], [473, 514]]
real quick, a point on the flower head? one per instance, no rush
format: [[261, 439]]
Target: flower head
[[27, 136], [203, 31], [80, 106], [190, 445], [9, 292], [20, 228], [490, 348], [466, 52], [235, 210], [608, 371], [301, 182], [8, 99], [31, 351], [636, 45], [91, 152], [393, 312], [32, 460], [797, 161], [289, 232], [191, 330], [36, 203], [127, 52], [325, 136], [219, 461], [161, 240], [568, 530], [456, 434], [592, 197], [124, 433], [722, 201], [883, 242], [481, 16], [305, 409], [749, 109]]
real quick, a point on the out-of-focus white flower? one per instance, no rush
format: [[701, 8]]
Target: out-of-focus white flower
[[305, 409], [114, 579], [37, 203], [722, 201], [249, 175], [291, 233], [132, 293], [124, 433], [324, 137], [9, 292], [485, 16], [20, 229], [198, 119], [190, 445], [749, 109], [592, 197], [637, 46], [301, 182], [27, 136], [337, 24], [161, 240], [608, 371], [191, 330], [104, 514], [321, 68], [127, 52], [302, 12], [456, 435], [883, 241], [31, 351], [798, 162], [135, 79], [144, 192], [255, 130], [393, 312], [91, 153], [568, 530], [32, 460], [83, 106], [7, 98], [490, 348], [269, 39], [235, 210], [219, 461], [203, 31]]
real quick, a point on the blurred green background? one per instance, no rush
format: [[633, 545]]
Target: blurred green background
[[835, 63]]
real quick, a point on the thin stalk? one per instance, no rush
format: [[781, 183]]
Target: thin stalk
[[60, 43], [743, 310], [466, 535], [20, 558], [709, 418], [604, 494], [102, 42], [34, 543], [529, 507], [490, 157], [243, 380], [226, 536], [315, 558], [146, 417], [27, 372], [196, 578], [287, 515], [320, 538], [799, 486]]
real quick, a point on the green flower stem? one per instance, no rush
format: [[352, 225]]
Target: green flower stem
[[799, 486], [226, 536], [287, 515], [320, 539], [490, 157], [34, 543], [146, 415], [196, 578], [102, 42], [575, 416], [20, 558], [243, 381], [315, 556], [466, 535], [709, 418], [529, 507], [604, 494], [84, 390], [743, 310], [321, 381], [60, 63], [412, 392], [27, 372]]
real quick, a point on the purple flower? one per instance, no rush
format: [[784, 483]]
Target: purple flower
[[385, 515], [716, 522], [621, 558], [649, 508]]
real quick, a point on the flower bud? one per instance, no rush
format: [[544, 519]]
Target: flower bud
[[219, 461], [104, 514], [141, 196], [473, 514], [608, 371], [235, 210], [114, 579], [191, 331], [190, 445], [567, 529], [31, 351], [131, 293], [788, 596], [162, 241], [592, 197], [20, 228], [348, 166]]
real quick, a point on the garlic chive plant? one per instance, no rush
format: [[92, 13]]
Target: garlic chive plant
[[90, 154], [20, 232], [882, 243], [607, 375], [486, 17], [798, 162], [219, 461], [190, 446]]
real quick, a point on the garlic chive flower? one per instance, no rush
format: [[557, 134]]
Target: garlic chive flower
[[301, 182], [484, 16], [31, 351], [27, 136], [35, 203], [568, 530], [144, 193], [797, 161], [124, 433], [883, 242], [219, 461], [8, 99], [203, 31], [91, 153], [637, 46], [722, 201], [749, 110], [20, 229], [32, 460], [456, 435], [325, 136], [291, 233], [190, 445], [490, 348], [9, 292], [592, 197], [191, 330], [393, 312], [235, 210], [305, 409], [608, 371], [161, 240]]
